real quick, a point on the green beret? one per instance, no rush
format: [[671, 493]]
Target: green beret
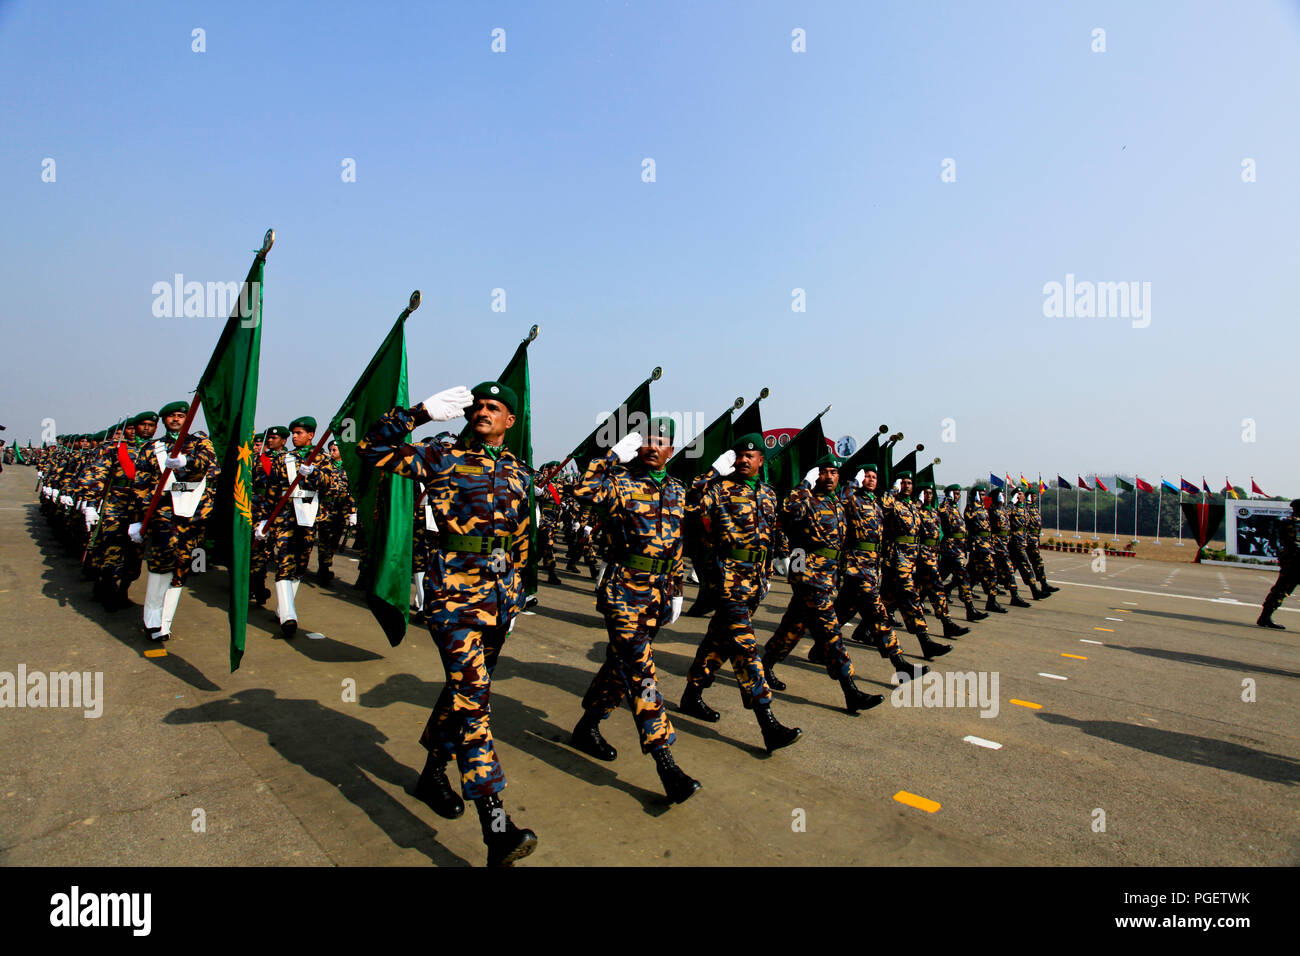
[[306, 422], [278, 430], [146, 417], [828, 460], [173, 407], [953, 487], [869, 466], [661, 426], [751, 442], [903, 474], [495, 390]]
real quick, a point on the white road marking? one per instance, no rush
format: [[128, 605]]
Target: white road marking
[[981, 742], [1120, 619], [1052, 676], [1185, 597], [1084, 640]]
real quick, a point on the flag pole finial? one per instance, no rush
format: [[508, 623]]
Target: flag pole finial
[[656, 374], [763, 394], [739, 402], [268, 241], [532, 333]]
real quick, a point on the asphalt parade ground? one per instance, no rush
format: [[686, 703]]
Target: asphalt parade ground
[[1138, 717]]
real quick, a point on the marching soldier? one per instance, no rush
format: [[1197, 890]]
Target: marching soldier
[[1000, 526], [337, 512], [113, 483], [260, 556], [952, 552], [1288, 574], [640, 592], [815, 528], [176, 527], [548, 507], [478, 491], [1019, 550], [739, 512], [983, 554], [1034, 528], [927, 566], [904, 529], [292, 532]]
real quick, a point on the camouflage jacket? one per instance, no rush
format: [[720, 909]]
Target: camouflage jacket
[[639, 518], [931, 529], [1033, 522], [201, 463], [472, 496], [979, 527], [270, 487], [1000, 522], [114, 467], [952, 523], [813, 523], [1288, 534], [738, 518], [1018, 516], [902, 525], [865, 517]]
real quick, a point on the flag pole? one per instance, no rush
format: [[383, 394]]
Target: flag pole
[[1076, 510], [1180, 511], [1160, 496]]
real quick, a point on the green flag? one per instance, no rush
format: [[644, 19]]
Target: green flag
[[786, 468], [228, 393], [1123, 484], [385, 501], [18, 455], [519, 439], [703, 450], [632, 415]]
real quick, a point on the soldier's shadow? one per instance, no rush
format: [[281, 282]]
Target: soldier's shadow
[[1186, 657], [65, 584], [1189, 748], [524, 727], [336, 748]]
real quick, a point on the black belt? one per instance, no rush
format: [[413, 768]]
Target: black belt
[[473, 545]]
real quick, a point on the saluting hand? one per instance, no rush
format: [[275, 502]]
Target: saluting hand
[[449, 403]]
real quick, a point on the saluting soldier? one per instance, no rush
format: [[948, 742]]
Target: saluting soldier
[[478, 490], [1018, 520], [1034, 528], [293, 529], [953, 554], [928, 578], [983, 564], [814, 524], [640, 592], [1000, 525], [738, 512], [904, 529], [176, 527]]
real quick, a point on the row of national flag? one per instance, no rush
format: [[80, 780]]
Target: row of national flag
[[1183, 487]]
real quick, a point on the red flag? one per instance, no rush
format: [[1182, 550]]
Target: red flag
[[1256, 489], [1142, 485], [1100, 486], [1084, 485], [124, 459]]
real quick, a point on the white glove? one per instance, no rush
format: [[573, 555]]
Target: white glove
[[449, 403], [260, 531], [81, 506], [352, 520], [810, 479], [178, 463], [627, 446], [133, 532], [92, 518], [676, 612], [511, 626], [586, 529], [66, 500], [306, 470], [860, 477], [726, 463], [780, 565]]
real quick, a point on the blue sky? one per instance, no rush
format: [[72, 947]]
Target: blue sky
[[775, 170]]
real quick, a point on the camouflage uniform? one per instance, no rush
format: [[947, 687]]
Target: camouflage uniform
[[1018, 520], [979, 527], [1000, 526], [928, 580], [903, 526], [1288, 574], [645, 573], [171, 539], [336, 505], [471, 594], [741, 520], [110, 479], [952, 550], [291, 542], [1033, 529]]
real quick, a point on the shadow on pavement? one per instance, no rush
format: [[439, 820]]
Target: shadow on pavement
[[1187, 658]]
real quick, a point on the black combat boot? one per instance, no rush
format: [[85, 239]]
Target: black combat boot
[[677, 784], [817, 655], [1017, 600], [552, 577], [905, 669], [258, 590], [1044, 586], [992, 605], [855, 700], [434, 789], [952, 629], [288, 629], [506, 842], [587, 738], [973, 613], [930, 648], [769, 671], [1266, 619], [694, 705], [1037, 593], [775, 736], [324, 576]]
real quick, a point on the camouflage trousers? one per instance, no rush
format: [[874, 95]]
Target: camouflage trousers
[[171, 546], [458, 726], [328, 533], [929, 581], [546, 546], [862, 596], [983, 571], [1035, 557], [1288, 576], [901, 585], [811, 609], [292, 549], [1020, 559], [731, 637], [120, 557], [629, 672], [1002, 563], [259, 557], [422, 544], [952, 560]]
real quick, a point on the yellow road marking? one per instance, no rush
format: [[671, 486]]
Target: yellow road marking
[[1108, 630], [1077, 657], [1026, 703], [156, 652], [912, 800]]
